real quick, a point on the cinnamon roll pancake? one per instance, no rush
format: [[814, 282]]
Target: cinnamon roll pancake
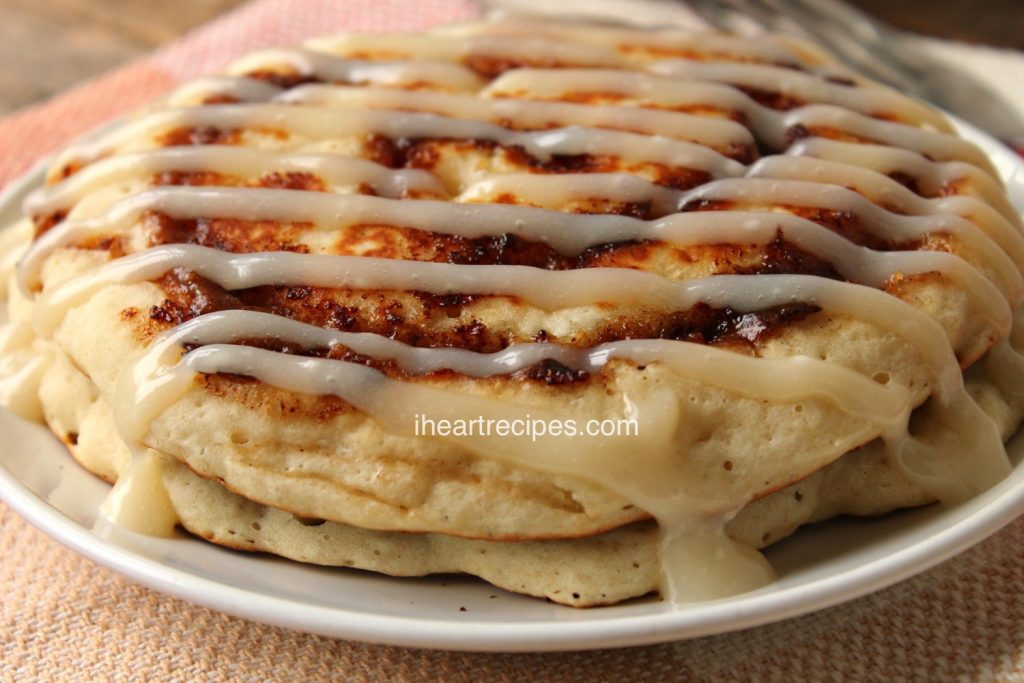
[[714, 289]]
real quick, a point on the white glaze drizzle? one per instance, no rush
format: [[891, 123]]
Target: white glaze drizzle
[[932, 177], [139, 501], [572, 233], [938, 146], [553, 84], [664, 487], [691, 519], [551, 290], [439, 47], [347, 171], [718, 134], [320, 124], [791, 376], [334, 170], [755, 192], [658, 42], [691, 539], [566, 189], [760, 76], [801, 86], [886, 192], [235, 87], [325, 67], [772, 127], [164, 371], [672, 92]]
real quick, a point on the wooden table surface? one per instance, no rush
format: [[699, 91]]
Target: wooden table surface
[[49, 45]]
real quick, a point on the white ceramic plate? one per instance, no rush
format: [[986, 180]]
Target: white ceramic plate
[[819, 566]]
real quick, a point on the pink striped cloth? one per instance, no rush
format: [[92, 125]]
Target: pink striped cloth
[[63, 618], [30, 134]]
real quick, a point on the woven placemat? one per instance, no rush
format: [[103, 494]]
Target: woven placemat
[[64, 618]]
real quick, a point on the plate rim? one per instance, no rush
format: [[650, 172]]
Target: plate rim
[[985, 515]]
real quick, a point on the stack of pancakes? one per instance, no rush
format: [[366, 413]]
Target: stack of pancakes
[[799, 284]]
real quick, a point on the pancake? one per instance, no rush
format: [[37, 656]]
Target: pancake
[[791, 290]]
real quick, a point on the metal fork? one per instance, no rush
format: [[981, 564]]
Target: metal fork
[[876, 50]]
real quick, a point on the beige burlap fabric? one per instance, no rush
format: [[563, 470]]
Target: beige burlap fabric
[[63, 618]]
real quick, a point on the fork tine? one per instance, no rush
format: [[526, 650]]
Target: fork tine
[[714, 13], [741, 16], [858, 41]]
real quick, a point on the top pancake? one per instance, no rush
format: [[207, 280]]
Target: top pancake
[[509, 161]]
